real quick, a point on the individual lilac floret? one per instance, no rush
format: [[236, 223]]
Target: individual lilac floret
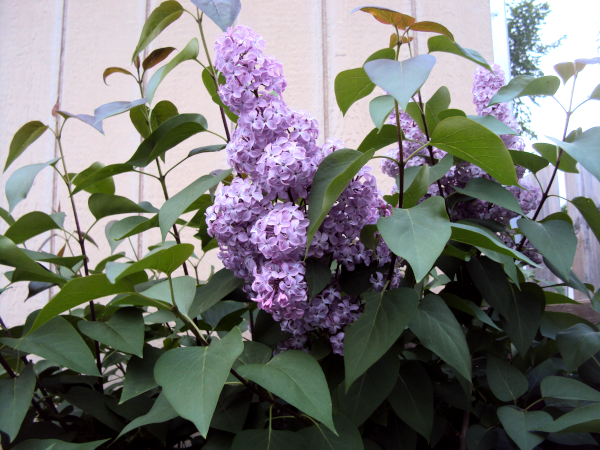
[[247, 71], [337, 343], [281, 234], [294, 343]]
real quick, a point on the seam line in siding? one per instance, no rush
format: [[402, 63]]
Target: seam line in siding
[[324, 46]]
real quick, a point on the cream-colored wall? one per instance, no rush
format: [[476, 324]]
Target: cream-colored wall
[[58, 49]]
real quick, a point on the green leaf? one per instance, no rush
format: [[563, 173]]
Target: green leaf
[[101, 174], [104, 205], [568, 389], [157, 56], [139, 121], [481, 438], [67, 261], [192, 377], [55, 444], [401, 79], [369, 390], [184, 289], [332, 177], [85, 118], [506, 381], [161, 411], [130, 226], [190, 51], [169, 134], [367, 339], [468, 307], [438, 102], [443, 44], [20, 182], [585, 149], [124, 331], [218, 287], [555, 239], [15, 398], [22, 139], [13, 256], [221, 12], [577, 344], [298, 379], [418, 188], [30, 225], [472, 235], [489, 279], [581, 420], [588, 209], [378, 139], [367, 237], [163, 16], [437, 330], [412, 398], [596, 93], [6, 217], [140, 373], [565, 70], [550, 153], [493, 124], [104, 186], [526, 85], [165, 261], [57, 341], [554, 298], [113, 109], [490, 191], [476, 144], [320, 438], [380, 109], [440, 169], [268, 440], [418, 234], [207, 149], [176, 205], [518, 424], [209, 84], [554, 322], [318, 276], [162, 112], [529, 161], [451, 113], [95, 404], [79, 291], [523, 319]]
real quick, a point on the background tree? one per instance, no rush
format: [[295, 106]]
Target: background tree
[[525, 18]]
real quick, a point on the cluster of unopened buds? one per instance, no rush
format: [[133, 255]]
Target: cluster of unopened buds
[[259, 219]]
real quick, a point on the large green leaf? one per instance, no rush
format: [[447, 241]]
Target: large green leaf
[[437, 329], [526, 85], [169, 134], [55, 444], [95, 404], [163, 16], [379, 138], [190, 51], [77, 292], [444, 44], [176, 205], [20, 182], [529, 161], [165, 261], [367, 339], [13, 256], [15, 398], [218, 287], [417, 189], [268, 439], [582, 420], [585, 149], [380, 109], [100, 175], [506, 381], [401, 79], [550, 153], [162, 112], [65, 261], [105, 185], [140, 373], [518, 425], [320, 438], [490, 191], [192, 377], [22, 139], [489, 279], [124, 331], [523, 319], [30, 225], [412, 398], [104, 205], [493, 124], [588, 209], [184, 289], [577, 344], [221, 12], [553, 322], [439, 101], [298, 379], [370, 389], [161, 411], [418, 234], [568, 389], [57, 341], [318, 276], [555, 239], [332, 177], [473, 142]]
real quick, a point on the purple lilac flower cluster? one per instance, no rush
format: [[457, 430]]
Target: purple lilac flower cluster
[[485, 86], [259, 220]]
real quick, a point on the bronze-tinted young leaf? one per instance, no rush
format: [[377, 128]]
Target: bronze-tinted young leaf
[[432, 27], [22, 139], [387, 16], [109, 71], [156, 57], [163, 16]]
